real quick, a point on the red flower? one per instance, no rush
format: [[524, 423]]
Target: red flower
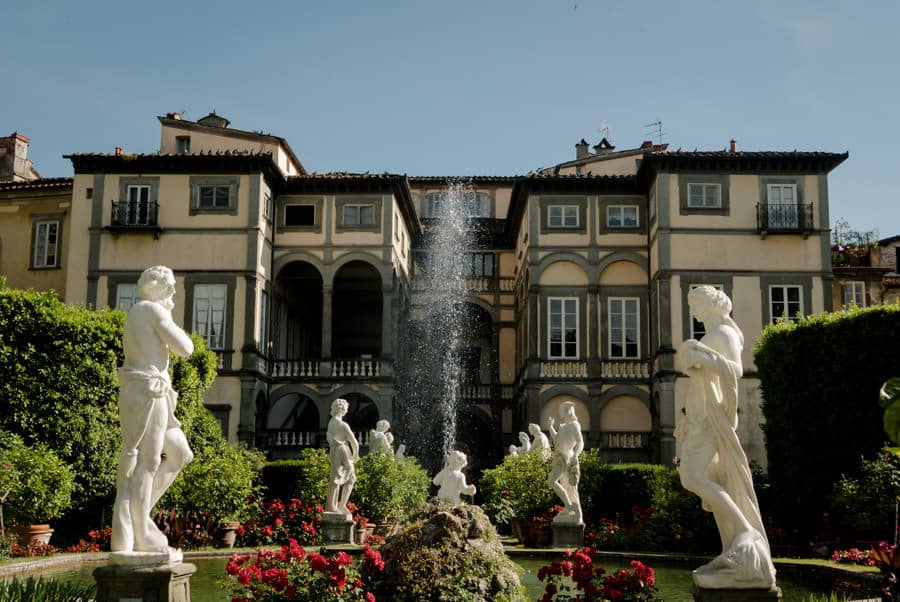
[[318, 562], [267, 531], [370, 597]]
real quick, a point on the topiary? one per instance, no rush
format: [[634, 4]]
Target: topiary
[[521, 483], [387, 489]]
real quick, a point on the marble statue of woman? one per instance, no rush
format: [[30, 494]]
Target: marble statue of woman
[[343, 452], [566, 469], [540, 444], [154, 448], [452, 481], [712, 462], [380, 439]]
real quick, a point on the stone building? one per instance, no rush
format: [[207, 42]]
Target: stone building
[[576, 280]]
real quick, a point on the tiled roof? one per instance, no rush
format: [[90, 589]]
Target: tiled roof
[[132, 156], [474, 179], [737, 155], [40, 184], [346, 175]]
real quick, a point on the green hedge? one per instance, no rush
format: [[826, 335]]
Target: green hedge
[[820, 379], [305, 478]]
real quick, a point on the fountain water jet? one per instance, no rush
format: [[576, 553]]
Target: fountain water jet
[[431, 373]]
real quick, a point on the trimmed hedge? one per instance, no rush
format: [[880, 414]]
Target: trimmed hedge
[[820, 379], [305, 478]]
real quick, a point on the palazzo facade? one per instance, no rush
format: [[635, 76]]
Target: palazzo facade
[[305, 284]]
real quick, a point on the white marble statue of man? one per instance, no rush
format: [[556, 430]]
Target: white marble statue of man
[[566, 470], [452, 481], [154, 448], [540, 444], [712, 462], [380, 439], [343, 452]]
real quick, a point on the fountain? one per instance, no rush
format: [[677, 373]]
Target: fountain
[[431, 364]]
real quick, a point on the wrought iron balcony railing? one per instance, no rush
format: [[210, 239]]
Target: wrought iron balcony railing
[[792, 217], [134, 214]]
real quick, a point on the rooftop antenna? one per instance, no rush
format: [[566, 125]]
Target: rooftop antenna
[[603, 130], [655, 130]]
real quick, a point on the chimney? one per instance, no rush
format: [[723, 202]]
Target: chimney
[[176, 116], [581, 150], [733, 145], [14, 163], [118, 151], [647, 144]]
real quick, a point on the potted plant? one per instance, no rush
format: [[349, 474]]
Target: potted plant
[[389, 490], [519, 485], [220, 484], [40, 491]]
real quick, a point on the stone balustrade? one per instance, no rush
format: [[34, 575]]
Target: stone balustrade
[[360, 368], [295, 368], [292, 438], [626, 439], [563, 369], [625, 370]]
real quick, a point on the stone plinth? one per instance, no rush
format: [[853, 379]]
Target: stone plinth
[[567, 535], [337, 528], [168, 583], [702, 594]]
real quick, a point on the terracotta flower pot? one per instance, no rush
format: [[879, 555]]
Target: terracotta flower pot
[[29, 534], [227, 534]]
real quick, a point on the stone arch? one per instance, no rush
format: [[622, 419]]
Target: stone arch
[[438, 305], [563, 256], [376, 396], [373, 260], [289, 258], [552, 274], [623, 273], [356, 309], [631, 256], [620, 391]]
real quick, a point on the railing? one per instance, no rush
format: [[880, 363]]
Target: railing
[[134, 214], [625, 370], [507, 285], [784, 217], [295, 368], [563, 369], [360, 368], [626, 439], [487, 392], [292, 438], [362, 438]]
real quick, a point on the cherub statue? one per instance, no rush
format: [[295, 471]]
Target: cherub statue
[[452, 481], [380, 438]]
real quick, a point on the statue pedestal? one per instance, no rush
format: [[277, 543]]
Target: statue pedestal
[[167, 583], [337, 528], [702, 594], [568, 535]]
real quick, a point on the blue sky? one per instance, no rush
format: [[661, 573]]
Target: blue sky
[[489, 87]]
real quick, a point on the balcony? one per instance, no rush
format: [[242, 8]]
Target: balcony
[[363, 368], [563, 369], [792, 218], [625, 439], [487, 393], [625, 370], [135, 216]]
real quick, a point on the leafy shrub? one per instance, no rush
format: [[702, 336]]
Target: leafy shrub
[[862, 504], [519, 482], [37, 589], [820, 379], [42, 487], [305, 478], [389, 490], [221, 481], [59, 384]]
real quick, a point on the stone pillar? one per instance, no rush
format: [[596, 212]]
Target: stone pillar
[[387, 330], [327, 294], [166, 583]]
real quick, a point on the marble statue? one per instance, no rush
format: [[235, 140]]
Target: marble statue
[[401, 452], [154, 448], [540, 444], [712, 461], [380, 438], [566, 470], [452, 481], [343, 452], [525, 445]]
